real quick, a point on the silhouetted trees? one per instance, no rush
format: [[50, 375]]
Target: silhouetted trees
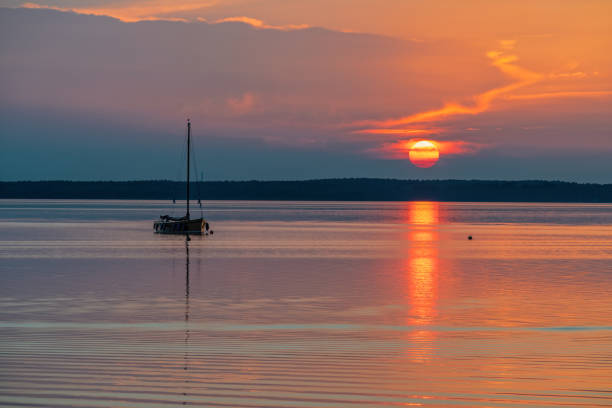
[[317, 190]]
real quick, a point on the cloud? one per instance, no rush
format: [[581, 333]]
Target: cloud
[[253, 22], [148, 10], [401, 149], [482, 102], [398, 131], [568, 94], [504, 61], [241, 105], [157, 10], [574, 75]]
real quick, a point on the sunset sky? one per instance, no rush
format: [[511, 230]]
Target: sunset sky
[[287, 89]]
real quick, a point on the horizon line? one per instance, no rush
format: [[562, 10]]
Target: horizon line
[[309, 180]]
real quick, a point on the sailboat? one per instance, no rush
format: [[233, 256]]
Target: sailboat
[[183, 225]]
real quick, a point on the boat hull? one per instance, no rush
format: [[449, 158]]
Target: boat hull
[[193, 226]]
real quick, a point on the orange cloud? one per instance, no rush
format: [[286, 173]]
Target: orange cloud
[[482, 102], [504, 61], [134, 11], [153, 10], [401, 148], [569, 75], [260, 24], [398, 131], [551, 95]]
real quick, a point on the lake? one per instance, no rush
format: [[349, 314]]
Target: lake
[[306, 304]]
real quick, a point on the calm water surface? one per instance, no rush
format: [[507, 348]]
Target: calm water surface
[[300, 304]]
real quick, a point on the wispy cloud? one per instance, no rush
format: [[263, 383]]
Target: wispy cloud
[[500, 59], [259, 24], [401, 149], [553, 95], [398, 132], [134, 11], [154, 10]]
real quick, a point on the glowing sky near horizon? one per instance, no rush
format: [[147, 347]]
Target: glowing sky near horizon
[[482, 79]]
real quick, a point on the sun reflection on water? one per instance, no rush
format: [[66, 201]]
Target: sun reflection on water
[[422, 276], [424, 213]]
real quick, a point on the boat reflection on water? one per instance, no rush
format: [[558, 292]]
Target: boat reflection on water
[[421, 272], [186, 354]]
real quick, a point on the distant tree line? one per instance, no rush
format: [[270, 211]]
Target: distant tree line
[[316, 190]]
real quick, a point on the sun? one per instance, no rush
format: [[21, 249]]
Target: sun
[[424, 154]]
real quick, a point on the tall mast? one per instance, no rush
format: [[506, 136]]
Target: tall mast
[[188, 156]]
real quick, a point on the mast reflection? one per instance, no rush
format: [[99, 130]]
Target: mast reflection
[[186, 354], [422, 275]]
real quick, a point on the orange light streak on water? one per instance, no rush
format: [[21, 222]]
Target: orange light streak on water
[[422, 275]]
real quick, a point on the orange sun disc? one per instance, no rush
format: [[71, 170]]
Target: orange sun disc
[[424, 154]]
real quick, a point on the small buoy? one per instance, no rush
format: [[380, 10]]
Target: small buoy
[[470, 237]]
